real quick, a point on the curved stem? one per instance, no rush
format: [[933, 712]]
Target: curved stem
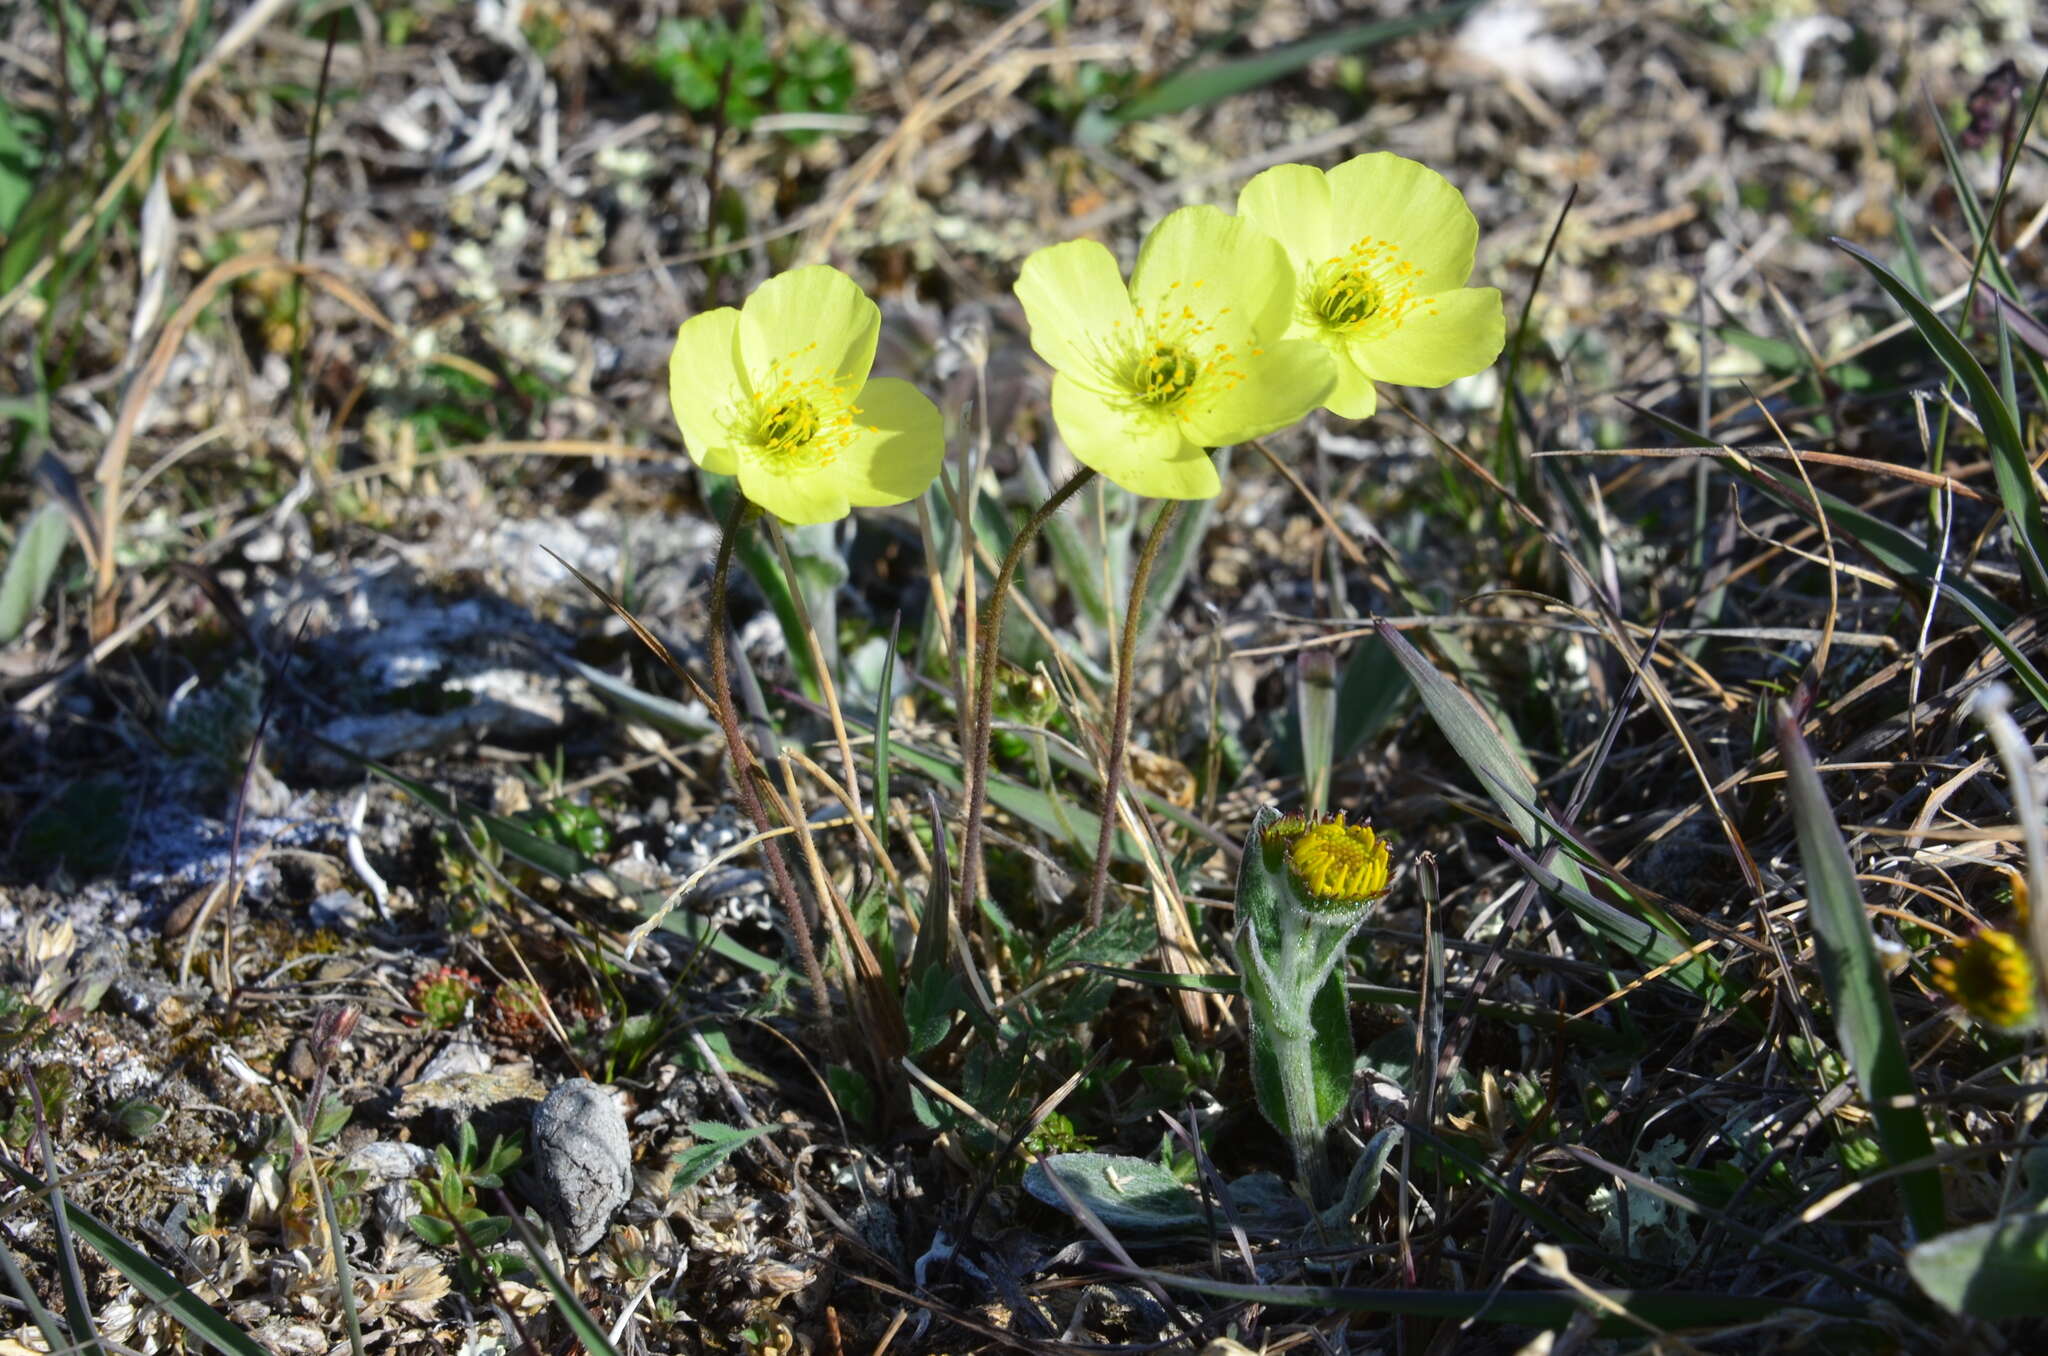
[[743, 761], [1120, 721], [976, 771]]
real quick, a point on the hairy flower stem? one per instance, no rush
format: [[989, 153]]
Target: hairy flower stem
[[985, 688], [1120, 720], [1295, 1058], [1301, 968], [743, 761]]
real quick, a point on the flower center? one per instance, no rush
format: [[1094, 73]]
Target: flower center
[[797, 420], [1369, 290], [1174, 359], [787, 426], [1163, 377], [1991, 977], [1339, 863]]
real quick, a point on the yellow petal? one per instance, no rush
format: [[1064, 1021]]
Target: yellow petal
[[1077, 306], [1291, 203], [1224, 270], [1142, 452], [1353, 397], [803, 497], [1383, 196], [705, 386], [1279, 386], [1444, 338], [896, 453], [810, 322]]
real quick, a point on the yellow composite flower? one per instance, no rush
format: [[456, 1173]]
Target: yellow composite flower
[[777, 393], [1336, 863], [1381, 248], [1991, 978], [1190, 356]]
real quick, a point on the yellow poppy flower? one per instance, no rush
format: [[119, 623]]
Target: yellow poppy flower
[[777, 393], [1190, 356], [1381, 248]]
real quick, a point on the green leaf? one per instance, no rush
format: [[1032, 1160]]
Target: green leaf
[[929, 1002], [1138, 1194], [884, 698], [31, 565], [715, 1143], [1141, 1195], [2009, 463], [1859, 997], [1991, 1271], [20, 158], [484, 1232], [1208, 84], [662, 713], [1315, 698]]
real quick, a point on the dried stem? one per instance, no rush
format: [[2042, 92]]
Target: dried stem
[[743, 761], [1120, 721], [985, 687]]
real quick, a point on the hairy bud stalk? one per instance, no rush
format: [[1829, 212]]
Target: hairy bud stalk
[[1306, 885]]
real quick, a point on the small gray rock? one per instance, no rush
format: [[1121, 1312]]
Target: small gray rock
[[388, 1167], [585, 1160], [342, 911], [465, 1054]]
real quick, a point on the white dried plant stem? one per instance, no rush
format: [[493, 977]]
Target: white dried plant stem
[[1994, 707]]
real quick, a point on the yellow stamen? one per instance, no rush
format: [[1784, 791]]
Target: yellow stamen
[[1368, 290]]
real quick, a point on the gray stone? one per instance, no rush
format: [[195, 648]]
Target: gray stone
[[341, 911], [388, 1167], [465, 1054], [584, 1159]]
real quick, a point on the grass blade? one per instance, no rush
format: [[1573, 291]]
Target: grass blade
[[571, 1309], [30, 567], [1858, 995], [1208, 84], [1177, 558], [47, 1323], [1315, 697], [2009, 464], [1904, 556], [1510, 787], [1537, 1308], [155, 1284], [884, 696]]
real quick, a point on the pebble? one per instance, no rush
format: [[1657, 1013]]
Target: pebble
[[585, 1160]]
